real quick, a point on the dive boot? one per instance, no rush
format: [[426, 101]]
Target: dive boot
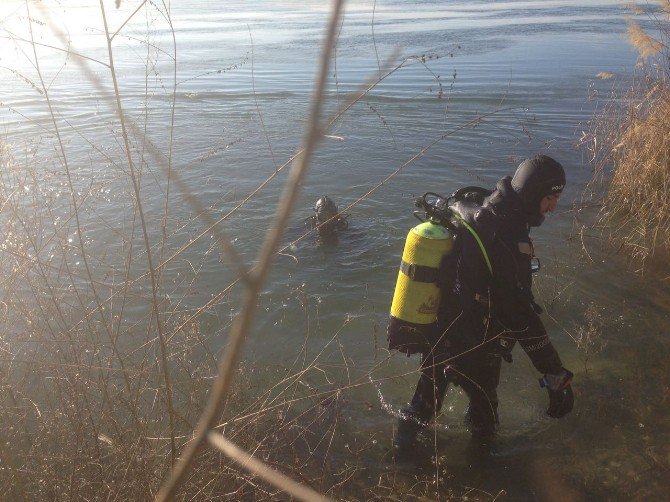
[[405, 439]]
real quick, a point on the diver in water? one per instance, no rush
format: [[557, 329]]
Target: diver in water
[[327, 221], [487, 307]]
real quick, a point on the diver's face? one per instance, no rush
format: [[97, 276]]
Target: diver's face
[[549, 203]]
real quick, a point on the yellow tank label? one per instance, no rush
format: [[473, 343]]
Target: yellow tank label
[[429, 306]]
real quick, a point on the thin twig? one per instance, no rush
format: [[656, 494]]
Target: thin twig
[[152, 273], [251, 463], [258, 108], [244, 320]]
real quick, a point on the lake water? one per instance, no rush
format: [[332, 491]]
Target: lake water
[[505, 80]]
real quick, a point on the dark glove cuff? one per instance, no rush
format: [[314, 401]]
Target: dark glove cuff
[[557, 382]]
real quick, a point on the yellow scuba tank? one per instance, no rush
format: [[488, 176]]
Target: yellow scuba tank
[[417, 297], [413, 322]]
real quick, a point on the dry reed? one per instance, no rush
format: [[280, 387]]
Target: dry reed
[[630, 148]]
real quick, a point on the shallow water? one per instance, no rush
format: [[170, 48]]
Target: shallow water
[[245, 72]]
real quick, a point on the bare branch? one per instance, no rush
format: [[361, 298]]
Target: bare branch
[[276, 478], [243, 322]]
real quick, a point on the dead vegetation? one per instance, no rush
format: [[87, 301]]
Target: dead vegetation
[[630, 154]]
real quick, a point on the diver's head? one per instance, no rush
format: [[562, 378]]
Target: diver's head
[[325, 209], [538, 182]]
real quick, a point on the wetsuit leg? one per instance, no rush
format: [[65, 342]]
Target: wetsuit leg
[[425, 404], [479, 379], [430, 390]]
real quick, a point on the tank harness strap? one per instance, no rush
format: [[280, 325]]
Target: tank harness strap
[[479, 242], [419, 273]]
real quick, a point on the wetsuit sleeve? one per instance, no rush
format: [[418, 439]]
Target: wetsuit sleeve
[[513, 304], [533, 338]]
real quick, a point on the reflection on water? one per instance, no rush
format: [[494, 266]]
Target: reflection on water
[[521, 75]]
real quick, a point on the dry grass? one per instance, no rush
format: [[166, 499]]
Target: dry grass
[[630, 146], [638, 194], [646, 45]]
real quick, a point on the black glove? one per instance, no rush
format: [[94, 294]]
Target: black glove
[[561, 398]]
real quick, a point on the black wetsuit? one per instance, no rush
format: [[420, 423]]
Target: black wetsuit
[[483, 315]]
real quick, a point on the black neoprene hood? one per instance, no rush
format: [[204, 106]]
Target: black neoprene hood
[[325, 208], [536, 178]]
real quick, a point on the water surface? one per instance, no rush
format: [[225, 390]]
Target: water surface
[[498, 81]]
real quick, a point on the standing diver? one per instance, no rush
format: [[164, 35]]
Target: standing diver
[[486, 306]]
